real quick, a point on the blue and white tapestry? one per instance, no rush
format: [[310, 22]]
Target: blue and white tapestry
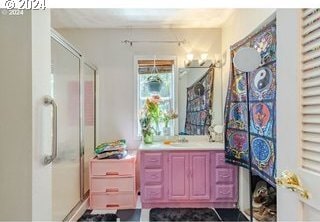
[[199, 104], [262, 103]]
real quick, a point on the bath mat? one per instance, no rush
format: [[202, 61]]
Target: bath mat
[[232, 214], [98, 217], [183, 214]]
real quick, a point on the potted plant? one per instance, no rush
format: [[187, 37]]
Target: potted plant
[[154, 83]]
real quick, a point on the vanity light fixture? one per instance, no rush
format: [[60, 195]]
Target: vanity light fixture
[[203, 62], [203, 58], [196, 63], [189, 59]]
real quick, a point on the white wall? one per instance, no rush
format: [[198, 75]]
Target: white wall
[[238, 26], [15, 117], [41, 116], [114, 60], [25, 190]]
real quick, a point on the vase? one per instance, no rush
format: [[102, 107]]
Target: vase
[[148, 138], [166, 131]]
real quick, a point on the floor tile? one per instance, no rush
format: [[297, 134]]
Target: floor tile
[[103, 211], [233, 214], [129, 215], [144, 215], [138, 205]]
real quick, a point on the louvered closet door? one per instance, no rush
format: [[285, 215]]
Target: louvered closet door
[[310, 111]]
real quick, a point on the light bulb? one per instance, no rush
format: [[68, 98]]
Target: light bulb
[[189, 56], [204, 56]]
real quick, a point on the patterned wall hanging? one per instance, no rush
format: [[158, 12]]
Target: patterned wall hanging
[[262, 103], [199, 103]]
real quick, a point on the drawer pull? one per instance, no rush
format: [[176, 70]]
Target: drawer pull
[[225, 193], [153, 160], [112, 205], [154, 176], [225, 176], [112, 173], [112, 190]]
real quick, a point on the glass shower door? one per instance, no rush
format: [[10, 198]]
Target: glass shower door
[[66, 92], [89, 120]]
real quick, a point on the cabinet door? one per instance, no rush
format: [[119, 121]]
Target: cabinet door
[[199, 176], [178, 176]]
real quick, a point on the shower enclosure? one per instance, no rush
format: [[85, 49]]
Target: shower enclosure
[[73, 82]]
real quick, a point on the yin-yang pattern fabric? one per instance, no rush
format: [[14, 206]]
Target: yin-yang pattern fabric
[[262, 105]]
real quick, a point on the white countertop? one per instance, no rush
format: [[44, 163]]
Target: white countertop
[[197, 145]]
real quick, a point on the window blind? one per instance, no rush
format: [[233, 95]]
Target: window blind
[[310, 89], [163, 66]]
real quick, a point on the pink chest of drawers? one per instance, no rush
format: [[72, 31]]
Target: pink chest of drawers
[[113, 183]]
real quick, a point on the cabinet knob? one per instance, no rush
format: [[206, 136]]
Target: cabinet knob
[[112, 205], [114, 190]]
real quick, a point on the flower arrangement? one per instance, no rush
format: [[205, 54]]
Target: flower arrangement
[[151, 117], [151, 113], [167, 116]]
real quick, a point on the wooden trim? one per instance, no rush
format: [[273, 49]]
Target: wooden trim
[[148, 63]]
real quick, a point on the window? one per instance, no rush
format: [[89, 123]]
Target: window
[[165, 71]]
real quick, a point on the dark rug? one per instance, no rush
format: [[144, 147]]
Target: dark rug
[[183, 214], [232, 214], [97, 217]]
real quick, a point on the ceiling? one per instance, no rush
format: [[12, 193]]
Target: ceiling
[[139, 18]]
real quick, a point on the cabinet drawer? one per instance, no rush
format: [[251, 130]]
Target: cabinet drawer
[[112, 185], [151, 193], [112, 201], [153, 176], [112, 168], [152, 160], [225, 175], [220, 161], [225, 193]]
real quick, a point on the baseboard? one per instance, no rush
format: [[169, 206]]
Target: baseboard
[[79, 211]]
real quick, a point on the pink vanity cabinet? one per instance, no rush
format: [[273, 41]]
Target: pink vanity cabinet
[[187, 179], [113, 183]]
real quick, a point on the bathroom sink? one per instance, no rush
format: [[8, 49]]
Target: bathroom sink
[[181, 144], [191, 145]]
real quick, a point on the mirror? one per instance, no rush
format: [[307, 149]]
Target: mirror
[[196, 100], [247, 59], [192, 92]]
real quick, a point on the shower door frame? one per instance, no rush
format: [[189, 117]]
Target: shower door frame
[[76, 52]]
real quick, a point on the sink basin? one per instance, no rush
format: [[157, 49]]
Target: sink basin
[[193, 145], [182, 144]]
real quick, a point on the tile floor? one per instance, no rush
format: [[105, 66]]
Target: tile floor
[[139, 214]]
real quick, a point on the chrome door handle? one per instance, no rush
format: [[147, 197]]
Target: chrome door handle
[[54, 149]]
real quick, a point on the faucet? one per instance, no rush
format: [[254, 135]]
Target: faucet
[[182, 139]]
